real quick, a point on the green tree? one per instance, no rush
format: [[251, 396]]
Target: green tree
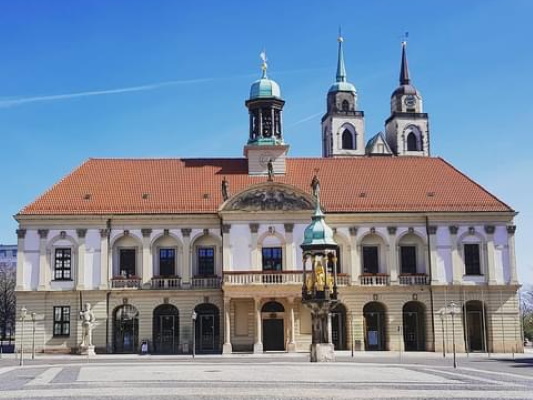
[[7, 300], [526, 308]]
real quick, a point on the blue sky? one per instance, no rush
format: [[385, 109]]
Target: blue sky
[[169, 79]]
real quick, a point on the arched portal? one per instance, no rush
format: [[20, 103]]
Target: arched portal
[[273, 327], [338, 327], [474, 325], [375, 326], [165, 331], [125, 329], [414, 329], [207, 328]]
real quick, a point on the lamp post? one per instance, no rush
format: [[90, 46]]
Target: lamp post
[[23, 312], [442, 315], [453, 312], [33, 336], [193, 317]]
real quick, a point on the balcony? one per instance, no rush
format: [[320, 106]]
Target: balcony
[[375, 279], [126, 283], [413, 279], [206, 282], [160, 283], [273, 278]]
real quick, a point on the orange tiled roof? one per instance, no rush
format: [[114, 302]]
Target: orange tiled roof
[[177, 186]]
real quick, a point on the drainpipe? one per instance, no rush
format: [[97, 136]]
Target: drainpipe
[[108, 294], [431, 299]]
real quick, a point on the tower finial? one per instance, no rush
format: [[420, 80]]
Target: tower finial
[[341, 69], [404, 69], [264, 65]]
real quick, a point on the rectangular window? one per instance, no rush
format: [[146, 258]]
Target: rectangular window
[[370, 260], [408, 254], [167, 261], [127, 262], [472, 259], [272, 259], [206, 261], [63, 264], [62, 321]]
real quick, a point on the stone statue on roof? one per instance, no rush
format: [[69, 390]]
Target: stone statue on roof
[[315, 185], [225, 189], [270, 169]]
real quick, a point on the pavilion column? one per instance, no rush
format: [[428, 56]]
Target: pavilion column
[[330, 333], [147, 268], [292, 337], [258, 345], [105, 273], [80, 275], [456, 259], [432, 237], [511, 229], [44, 280], [392, 265], [186, 257], [491, 278], [21, 284], [227, 347]]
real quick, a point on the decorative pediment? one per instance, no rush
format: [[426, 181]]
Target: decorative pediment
[[270, 197]]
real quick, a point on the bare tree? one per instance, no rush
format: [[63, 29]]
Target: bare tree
[[7, 300], [526, 309]]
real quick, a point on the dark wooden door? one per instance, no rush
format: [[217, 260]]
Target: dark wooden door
[[273, 335]]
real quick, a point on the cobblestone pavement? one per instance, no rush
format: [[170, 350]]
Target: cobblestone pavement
[[278, 376]]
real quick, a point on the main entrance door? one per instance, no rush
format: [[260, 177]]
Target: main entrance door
[[413, 326], [273, 335], [475, 326], [375, 328], [166, 329]]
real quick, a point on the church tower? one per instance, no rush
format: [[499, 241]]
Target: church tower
[[407, 128], [343, 125], [266, 151]]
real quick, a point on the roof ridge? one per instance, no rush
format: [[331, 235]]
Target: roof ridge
[[477, 184]]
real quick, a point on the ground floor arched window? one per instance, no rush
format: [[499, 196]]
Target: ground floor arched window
[[165, 332], [414, 326], [338, 327], [374, 314], [207, 328]]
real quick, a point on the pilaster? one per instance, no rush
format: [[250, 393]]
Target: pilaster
[[491, 278], [457, 265], [355, 256], [186, 257], [511, 229], [227, 347], [21, 235], [147, 269], [44, 267], [80, 275], [392, 256], [258, 345], [226, 249], [105, 273], [289, 247], [254, 252], [432, 237], [291, 347]]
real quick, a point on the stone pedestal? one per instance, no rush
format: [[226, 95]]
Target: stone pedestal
[[227, 348], [291, 347], [258, 347], [87, 351], [322, 352]]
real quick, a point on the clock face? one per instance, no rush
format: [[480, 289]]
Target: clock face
[[264, 158], [410, 100]]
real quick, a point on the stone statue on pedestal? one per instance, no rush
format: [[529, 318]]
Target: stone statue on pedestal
[[87, 325]]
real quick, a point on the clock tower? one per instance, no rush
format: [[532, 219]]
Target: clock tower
[[343, 125], [265, 150], [407, 128]]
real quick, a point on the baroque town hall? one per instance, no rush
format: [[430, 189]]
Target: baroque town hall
[[416, 238]]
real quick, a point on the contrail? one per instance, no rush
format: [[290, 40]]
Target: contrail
[[35, 99], [306, 119]]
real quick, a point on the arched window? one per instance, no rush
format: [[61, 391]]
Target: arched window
[[411, 142], [345, 105], [347, 140]]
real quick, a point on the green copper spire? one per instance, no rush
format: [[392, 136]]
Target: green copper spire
[[318, 233], [341, 69]]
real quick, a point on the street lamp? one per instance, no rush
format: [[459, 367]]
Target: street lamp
[[193, 317], [33, 336], [442, 316], [453, 312], [23, 312]]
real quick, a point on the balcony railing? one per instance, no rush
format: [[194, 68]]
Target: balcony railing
[[166, 283], [209, 282], [126, 283], [273, 278], [414, 279], [375, 279]]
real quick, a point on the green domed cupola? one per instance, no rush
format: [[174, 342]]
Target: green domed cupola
[[318, 234], [265, 105]]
